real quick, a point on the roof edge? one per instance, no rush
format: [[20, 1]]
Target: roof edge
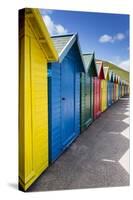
[[80, 51], [67, 47], [106, 75], [36, 15], [101, 68], [90, 61], [63, 35]]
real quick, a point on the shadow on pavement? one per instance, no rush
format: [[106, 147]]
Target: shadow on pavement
[[93, 159]]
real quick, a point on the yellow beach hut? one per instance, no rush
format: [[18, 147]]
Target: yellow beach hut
[[35, 51], [104, 90], [117, 89]]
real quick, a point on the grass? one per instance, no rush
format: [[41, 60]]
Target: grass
[[124, 75]]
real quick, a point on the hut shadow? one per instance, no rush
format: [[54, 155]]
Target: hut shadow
[[13, 185], [93, 160], [83, 166]]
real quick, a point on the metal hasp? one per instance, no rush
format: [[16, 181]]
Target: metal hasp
[[97, 89], [87, 90], [35, 50], [64, 94]]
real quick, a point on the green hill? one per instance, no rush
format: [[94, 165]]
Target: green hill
[[124, 75]]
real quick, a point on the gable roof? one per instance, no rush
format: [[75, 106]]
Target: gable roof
[[63, 44], [33, 17], [118, 79], [88, 60], [114, 77], [116, 69], [106, 72], [111, 75], [100, 72], [61, 41]]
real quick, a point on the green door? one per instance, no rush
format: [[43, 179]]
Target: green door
[[86, 101]]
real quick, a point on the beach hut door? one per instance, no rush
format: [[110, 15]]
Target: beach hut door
[[67, 101]]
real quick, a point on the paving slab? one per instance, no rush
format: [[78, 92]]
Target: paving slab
[[99, 157]]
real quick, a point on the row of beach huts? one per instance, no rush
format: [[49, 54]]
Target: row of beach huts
[[61, 92]]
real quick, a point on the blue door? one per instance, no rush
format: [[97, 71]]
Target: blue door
[[119, 90], [108, 93], [67, 101]]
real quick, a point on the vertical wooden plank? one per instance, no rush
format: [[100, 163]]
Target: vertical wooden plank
[[39, 107], [33, 108]]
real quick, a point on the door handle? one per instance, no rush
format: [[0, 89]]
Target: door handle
[[63, 98]]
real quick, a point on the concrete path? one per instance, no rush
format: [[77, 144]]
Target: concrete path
[[98, 158]]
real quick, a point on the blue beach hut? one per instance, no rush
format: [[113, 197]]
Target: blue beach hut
[[110, 86], [64, 94]]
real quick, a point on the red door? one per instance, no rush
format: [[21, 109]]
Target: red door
[[97, 97]]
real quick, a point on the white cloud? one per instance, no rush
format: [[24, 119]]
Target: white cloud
[[49, 23], [54, 29], [109, 38], [105, 38], [119, 36], [60, 29], [46, 11]]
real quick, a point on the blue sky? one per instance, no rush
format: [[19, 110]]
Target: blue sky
[[106, 34]]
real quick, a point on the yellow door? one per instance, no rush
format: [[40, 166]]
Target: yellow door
[[103, 95], [116, 91], [122, 90], [33, 107]]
